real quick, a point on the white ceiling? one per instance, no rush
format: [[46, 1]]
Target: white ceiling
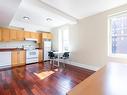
[[60, 11], [84, 8], [7, 11], [38, 12]]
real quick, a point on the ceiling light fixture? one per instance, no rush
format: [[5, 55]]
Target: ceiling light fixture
[[49, 19], [26, 18]]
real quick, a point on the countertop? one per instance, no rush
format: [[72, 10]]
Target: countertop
[[110, 80], [12, 49]]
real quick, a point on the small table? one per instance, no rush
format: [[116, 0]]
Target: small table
[[58, 54]]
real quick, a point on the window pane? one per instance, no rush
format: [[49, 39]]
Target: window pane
[[119, 34], [63, 36]]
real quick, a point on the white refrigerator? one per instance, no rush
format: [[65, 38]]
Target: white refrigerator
[[47, 48]]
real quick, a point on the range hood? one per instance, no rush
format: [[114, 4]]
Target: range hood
[[31, 39]]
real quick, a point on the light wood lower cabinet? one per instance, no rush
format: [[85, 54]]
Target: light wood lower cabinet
[[18, 58], [14, 58], [40, 57], [22, 57]]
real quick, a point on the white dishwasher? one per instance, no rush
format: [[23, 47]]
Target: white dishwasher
[[5, 59]]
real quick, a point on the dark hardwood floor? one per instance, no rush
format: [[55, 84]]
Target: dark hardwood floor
[[23, 81]]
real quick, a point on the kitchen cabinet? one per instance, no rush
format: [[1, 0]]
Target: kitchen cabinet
[[44, 35], [14, 57], [39, 38], [13, 34], [22, 57], [0, 34], [40, 56], [27, 34], [18, 57], [34, 35], [5, 34], [20, 35], [47, 35], [50, 36]]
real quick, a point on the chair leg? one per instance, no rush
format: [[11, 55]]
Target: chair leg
[[65, 64], [50, 61]]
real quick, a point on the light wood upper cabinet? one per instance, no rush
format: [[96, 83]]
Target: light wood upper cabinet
[[27, 34], [13, 34], [47, 35], [20, 35], [5, 34], [40, 57], [39, 38], [34, 35], [0, 34], [50, 36], [44, 35]]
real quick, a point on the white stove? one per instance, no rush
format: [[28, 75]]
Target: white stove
[[32, 56]]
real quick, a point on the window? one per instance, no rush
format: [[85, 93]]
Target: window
[[118, 35], [63, 36]]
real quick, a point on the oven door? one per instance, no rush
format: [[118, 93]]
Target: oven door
[[31, 54]]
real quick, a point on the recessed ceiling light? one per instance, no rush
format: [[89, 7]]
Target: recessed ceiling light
[[26, 18], [49, 19]]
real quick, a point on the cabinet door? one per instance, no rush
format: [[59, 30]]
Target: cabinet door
[[22, 57], [14, 58], [44, 35], [50, 36], [13, 34], [34, 35], [47, 36], [27, 34], [5, 34], [39, 36], [0, 34], [20, 35], [40, 55]]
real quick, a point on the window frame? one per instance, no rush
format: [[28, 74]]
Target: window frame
[[110, 54], [61, 47]]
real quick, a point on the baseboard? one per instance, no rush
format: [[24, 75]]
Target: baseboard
[[86, 66]]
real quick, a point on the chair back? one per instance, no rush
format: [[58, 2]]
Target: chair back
[[51, 55], [66, 55]]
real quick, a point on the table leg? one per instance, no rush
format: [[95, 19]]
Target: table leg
[[58, 60]]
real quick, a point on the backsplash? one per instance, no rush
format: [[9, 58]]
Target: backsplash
[[17, 44]]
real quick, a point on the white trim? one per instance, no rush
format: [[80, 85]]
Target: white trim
[[118, 13], [4, 67], [86, 66]]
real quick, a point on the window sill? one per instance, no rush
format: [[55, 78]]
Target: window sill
[[124, 56]]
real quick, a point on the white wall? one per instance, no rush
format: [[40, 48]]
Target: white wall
[[17, 44], [88, 39]]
